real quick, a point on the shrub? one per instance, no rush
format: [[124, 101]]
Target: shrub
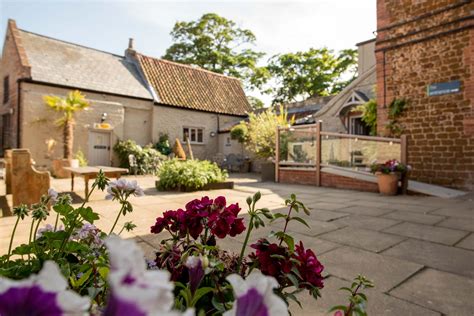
[[192, 174], [147, 158], [81, 157], [163, 145]]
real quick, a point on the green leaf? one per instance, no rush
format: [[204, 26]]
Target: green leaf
[[83, 278], [88, 214], [338, 308], [293, 280], [299, 219], [199, 294]]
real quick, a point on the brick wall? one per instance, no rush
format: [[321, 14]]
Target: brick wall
[[13, 64], [294, 176], [420, 43]]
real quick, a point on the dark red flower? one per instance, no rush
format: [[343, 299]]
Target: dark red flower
[[309, 267], [272, 259], [237, 227]]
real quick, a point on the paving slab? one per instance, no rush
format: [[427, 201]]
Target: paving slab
[[455, 212], [441, 235], [441, 291], [363, 238], [386, 272], [450, 259], [319, 246], [367, 210], [328, 206], [413, 217], [467, 243], [379, 304], [366, 222], [326, 216], [458, 223]]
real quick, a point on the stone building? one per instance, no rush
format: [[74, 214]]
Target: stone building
[[425, 55], [139, 97]]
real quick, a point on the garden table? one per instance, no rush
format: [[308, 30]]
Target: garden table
[[92, 172]]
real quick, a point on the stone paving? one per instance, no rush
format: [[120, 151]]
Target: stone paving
[[418, 250]]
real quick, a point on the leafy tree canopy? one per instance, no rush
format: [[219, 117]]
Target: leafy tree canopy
[[217, 44], [314, 72], [255, 102]]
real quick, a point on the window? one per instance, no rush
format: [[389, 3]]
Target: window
[[358, 127], [195, 135], [6, 89]]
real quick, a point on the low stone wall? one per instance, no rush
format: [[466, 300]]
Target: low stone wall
[[308, 177]]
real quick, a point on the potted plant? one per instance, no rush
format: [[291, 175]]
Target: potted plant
[[388, 174], [74, 102], [259, 136]]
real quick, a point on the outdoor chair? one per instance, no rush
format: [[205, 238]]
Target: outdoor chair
[[234, 162], [133, 166]]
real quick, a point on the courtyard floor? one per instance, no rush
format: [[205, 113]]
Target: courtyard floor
[[419, 251]]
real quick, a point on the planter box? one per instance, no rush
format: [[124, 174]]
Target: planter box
[[210, 186]]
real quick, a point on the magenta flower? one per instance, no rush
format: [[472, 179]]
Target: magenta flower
[[42, 294]]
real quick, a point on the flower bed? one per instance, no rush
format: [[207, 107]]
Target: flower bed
[[76, 269], [189, 175]]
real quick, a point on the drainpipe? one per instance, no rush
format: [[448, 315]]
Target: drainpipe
[[18, 121]]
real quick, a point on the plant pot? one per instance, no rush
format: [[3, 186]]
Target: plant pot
[[59, 164], [388, 183], [268, 171]]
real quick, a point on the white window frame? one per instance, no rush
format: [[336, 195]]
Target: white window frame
[[195, 129]]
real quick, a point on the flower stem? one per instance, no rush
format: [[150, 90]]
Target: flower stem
[[244, 246], [29, 239], [287, 220], [11, 239], [56, 222], [117, 218]]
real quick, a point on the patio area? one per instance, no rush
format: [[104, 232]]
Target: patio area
[[419, 251]]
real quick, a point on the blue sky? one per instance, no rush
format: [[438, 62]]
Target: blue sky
[[280, 26]]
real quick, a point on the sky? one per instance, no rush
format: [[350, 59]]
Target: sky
[[279, 26]]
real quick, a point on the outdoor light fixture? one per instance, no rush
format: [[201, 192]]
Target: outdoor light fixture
[[291, 129], [103, 117], [356, 139], [391, 143], [213, 134]]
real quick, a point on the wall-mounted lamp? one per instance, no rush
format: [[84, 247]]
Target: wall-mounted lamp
[[103, 117], [212, 134]]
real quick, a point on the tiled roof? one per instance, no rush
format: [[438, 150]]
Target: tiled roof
[[57, 62], [194, 88]]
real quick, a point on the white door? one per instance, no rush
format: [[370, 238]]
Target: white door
[[99, 148]]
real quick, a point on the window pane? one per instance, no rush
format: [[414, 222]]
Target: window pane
[[200, 138], [193, 135]]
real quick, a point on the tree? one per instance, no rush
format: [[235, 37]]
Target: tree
[[74, 102], [217, 44], [255, 103], [318, 72], [258, 134]]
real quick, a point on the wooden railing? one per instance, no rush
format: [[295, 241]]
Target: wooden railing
[[316, 129]]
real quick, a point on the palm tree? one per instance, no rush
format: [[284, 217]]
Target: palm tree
[[74, 102]]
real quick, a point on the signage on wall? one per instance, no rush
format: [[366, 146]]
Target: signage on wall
[[102, 126], [444, 88]]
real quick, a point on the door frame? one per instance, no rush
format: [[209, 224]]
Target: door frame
[[104, 131]]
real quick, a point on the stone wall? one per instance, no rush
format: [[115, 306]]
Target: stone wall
[[129, 118], [171, 120], [420, 43]]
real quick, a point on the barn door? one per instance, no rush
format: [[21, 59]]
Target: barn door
[[99, 148]]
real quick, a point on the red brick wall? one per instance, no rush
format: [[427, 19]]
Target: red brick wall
[[327, 180], [14, 63], [420, 43]]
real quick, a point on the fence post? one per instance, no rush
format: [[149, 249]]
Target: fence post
[[404, 160], [277, 154], [318, 154]]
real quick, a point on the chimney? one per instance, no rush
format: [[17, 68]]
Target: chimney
[[130, 52]]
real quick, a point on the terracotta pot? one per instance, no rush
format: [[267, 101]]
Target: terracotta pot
[[388, 183]]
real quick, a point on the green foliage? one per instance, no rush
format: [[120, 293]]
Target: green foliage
[[369, 115], [259, 133], [357, 300], [81, 157], [314, 72], [75, 101], [147, 158], [215, 43], [190, 174], [255, 103], [395, 110], [163, 145]]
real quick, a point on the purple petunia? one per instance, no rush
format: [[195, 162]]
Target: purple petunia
[[42, 294]]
